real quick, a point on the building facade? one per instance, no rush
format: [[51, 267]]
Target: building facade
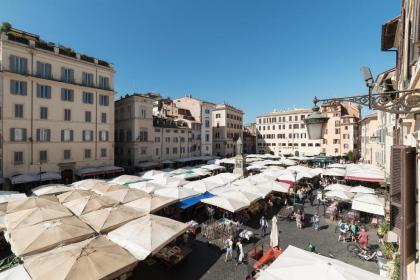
[[250, 139], [369, 142], [227, 128], [202, 113], [57, 107], [341, 135], [285, 133]]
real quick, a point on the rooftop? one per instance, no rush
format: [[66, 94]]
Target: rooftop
[[25, 38], [287, 112]]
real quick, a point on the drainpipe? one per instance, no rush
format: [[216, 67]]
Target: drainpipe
[[96, 115], [32, 110]]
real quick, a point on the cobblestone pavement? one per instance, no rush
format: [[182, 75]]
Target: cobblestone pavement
[[207, 262]]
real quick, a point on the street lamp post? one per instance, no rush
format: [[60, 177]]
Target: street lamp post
[[295, 187]]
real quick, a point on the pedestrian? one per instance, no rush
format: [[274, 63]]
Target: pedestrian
[[316, 222], [229, 245], [241, 252], [263, 225], [298, 219], [270, 207], [363, 239], [311, 197], [353, 231], [342, 227]]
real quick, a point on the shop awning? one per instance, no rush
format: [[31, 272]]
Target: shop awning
[[186, 203], [101, 170], [364, 173]]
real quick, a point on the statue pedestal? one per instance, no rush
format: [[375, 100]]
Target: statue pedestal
[[240, 166]]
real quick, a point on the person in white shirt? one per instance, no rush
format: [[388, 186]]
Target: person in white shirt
[[229, 245], [241, 252]]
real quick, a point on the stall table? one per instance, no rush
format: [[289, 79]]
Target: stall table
[[171, 255]]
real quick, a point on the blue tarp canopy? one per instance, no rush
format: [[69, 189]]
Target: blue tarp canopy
[[186, 203]]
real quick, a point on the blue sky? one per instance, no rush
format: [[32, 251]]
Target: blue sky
[[256, 55]]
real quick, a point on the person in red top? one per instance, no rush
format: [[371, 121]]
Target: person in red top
[[363, 239]]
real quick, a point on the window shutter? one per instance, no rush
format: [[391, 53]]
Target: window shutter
[[49, 92], [38, 68], [71, 135], [13, 86], [72, 76], [62, 135], [38, 90], [84, 135], [38, 134], [12, 62], [48, 71], [91, 135], [24, 88], [12, 134], [48, 135], [62, 73], [62, 94], [24, 134], [71, 95], [25, 66]]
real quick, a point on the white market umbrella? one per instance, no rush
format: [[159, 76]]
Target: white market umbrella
[[126, 195], [170, 182], [337, 187], [299, 264], [177, 193], [340, 195], [275, 186], [241, 196], [288, 177], [147, 235], [151, 204], [15, 273], [51, 189], [362, 189], [364, 172], [152, 174], [146, 186], [8, 196], [337, 165], [335, 172], [228, 204], [86, 184], [369, 203], [201, 186], [262, 192], [274, 234], [95, 258], [124, 179]]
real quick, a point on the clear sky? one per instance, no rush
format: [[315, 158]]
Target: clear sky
[[254, 54]]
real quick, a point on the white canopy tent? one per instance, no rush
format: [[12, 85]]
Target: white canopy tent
[[337, 187], [336, 172], [146, 186], [241, 196], [8, 196], [362, 189], [336, 165], [15, 273], [201, 186], [369, 203], [364, 172], [340, 195], [228, 204], [223, 178], [177, 193], [147, 235], [51, 189], [124, 179], [299, 264]]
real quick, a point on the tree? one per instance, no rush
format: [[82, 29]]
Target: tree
[[350, 156], [5, 26]]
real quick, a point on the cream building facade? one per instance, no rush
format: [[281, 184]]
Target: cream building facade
[[227, 128], [341, 134], [369, 140], [202, 113], [285, 133], [57, 107]]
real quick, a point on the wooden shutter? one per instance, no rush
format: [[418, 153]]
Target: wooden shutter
[[62, 73], [39, 69], [403, 201], [24, 88], [38, 90], [24, 134], [24, 66], [48, 71], [12, 134], [12, 63], [48, 92], [71, 135], [48, 135], [38, 134], [84, 135], [62, 135]]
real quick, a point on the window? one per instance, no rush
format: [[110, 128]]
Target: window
[[87, 135], [67, 154], [43, 91], [43, 156], [67, 94], [175, 139], [104, 136], [88, 116], [174, 150], [143, 135], [103, 82], [18, 87], [66, 135], [88, 153], [295, 126], [317, 144], [207, 111], [67, 114], [67, 75], [43, 135], [103, 100], [87, 79], [157, 129], [346, 146], [18, 157], [103, 152], [143, 150], [87, 97], [43, 70], [167, 151], [157, 151], [103, 117], [142, 113], [217, 116], [207, 137], [167, 140], [43, 113], [157, 139], [207, 123], [18, 111], [18, 64], [18, 134], [129, 135]]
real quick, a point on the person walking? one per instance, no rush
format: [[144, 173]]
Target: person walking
[[263, 225], [363, 239], [229, 245], [299, 219], [343, 228], [241, 252], [315, 218], [353, 231]]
